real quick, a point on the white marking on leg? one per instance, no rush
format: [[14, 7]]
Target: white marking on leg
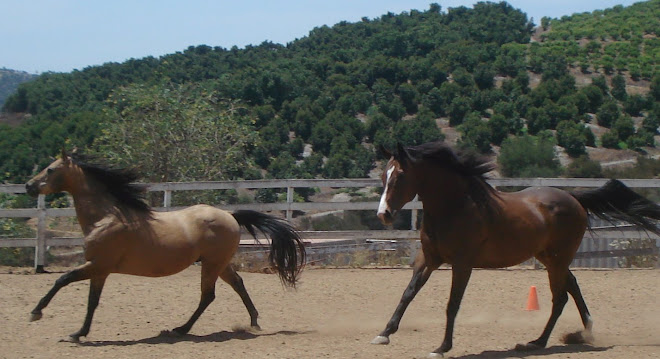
[[588, 334], [381, 340], [382, 207]]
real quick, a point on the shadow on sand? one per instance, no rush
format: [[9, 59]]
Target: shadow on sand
[[557, 349], [167, 338]]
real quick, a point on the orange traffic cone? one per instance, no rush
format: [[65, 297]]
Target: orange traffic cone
[[532, 299]]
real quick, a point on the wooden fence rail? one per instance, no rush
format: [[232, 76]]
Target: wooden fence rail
[[41, 212]]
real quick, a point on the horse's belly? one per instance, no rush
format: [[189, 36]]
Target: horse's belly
[[508, 251], [488, 261], [157, 263]]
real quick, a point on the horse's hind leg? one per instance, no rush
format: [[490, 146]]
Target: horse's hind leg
[[232, 278], [210, 274], [81, 273], [421, 274], [574, 290], [558, 276]]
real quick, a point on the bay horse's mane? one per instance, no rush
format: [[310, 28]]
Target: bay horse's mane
[[128, 196], [471, 166]]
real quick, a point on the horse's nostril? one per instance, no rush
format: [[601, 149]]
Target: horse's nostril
[[385, 217], [31, 189]]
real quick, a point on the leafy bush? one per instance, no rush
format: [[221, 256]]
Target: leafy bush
[[570, 135], [528, 156], [584, 167], [610, 139]]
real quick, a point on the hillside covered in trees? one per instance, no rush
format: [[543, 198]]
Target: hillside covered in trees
[[9, 81], [318, 106]]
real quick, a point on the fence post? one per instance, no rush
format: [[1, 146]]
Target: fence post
[[289, 200], [413, 217], [40, 248], [167, 199]]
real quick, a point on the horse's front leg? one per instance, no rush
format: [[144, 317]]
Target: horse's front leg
[[421, 274], [81, 273], [460, 276], [95, 289]]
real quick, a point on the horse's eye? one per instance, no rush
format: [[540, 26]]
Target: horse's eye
[[50, 171]]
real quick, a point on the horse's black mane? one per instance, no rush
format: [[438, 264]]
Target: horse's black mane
[[129, 197], [470, 165]]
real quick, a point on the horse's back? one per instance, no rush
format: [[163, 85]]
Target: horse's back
[[202, 223], [554, 203]]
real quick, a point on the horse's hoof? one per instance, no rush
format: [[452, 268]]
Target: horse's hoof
[[436, 355], [35, 316], [256, 328], [579, 337], [381, 339], [71, 339], [528, 347], [170, 333]]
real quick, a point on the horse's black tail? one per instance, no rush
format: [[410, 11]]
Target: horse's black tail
[[614, 201], [287, 251]]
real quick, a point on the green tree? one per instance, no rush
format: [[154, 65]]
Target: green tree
[[584, 167], [499, 128], [476, 133], [655, 87], [570, 135], [595, 97], [608, 113], [634, 105], [619, 87], [457, 110], [537, 120], [610, 139], [418, 130], [624, 126], [528, 156], [409, 96], [177, 133]]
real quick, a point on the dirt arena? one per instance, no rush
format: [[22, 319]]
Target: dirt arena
[[333, 314]]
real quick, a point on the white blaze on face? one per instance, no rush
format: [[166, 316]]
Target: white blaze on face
[[382, 207]]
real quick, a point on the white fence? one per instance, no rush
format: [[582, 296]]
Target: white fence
[[41, 242]]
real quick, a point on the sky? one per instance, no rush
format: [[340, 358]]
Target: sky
[[63, 35]]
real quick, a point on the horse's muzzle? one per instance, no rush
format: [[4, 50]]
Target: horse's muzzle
[[386, 217], [32, 189]]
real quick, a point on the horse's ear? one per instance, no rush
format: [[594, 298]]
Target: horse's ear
[[64, 156], [383, 151], [402, 156]]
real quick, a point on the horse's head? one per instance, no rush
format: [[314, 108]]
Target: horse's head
[[52, 179], [398, 184]]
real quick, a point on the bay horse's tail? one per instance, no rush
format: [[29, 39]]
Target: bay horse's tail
[[287, 251], [614, 201]]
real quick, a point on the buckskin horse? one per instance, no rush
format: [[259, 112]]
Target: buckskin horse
[[123, 235], [469, 224]]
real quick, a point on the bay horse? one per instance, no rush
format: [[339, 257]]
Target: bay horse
[[123, 235], [469, 224]]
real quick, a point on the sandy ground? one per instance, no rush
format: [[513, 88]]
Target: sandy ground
[[333, 314]]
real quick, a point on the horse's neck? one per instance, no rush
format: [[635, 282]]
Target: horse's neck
[[91, 205], [440, 199]]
